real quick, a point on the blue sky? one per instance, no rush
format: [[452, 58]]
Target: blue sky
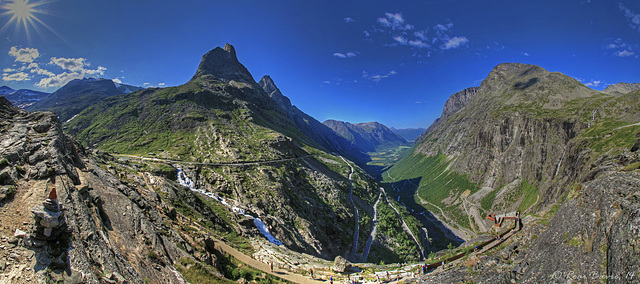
[[395, 62]]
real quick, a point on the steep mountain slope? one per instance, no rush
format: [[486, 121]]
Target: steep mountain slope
[[222, 117], [75, 96], [518, 143], [367, 137], [312, 128], [22, 98], [621, 88]]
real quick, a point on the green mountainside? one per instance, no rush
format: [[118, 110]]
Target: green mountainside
[[222, 116]]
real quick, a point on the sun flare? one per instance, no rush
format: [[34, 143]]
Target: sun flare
[[23, 14]]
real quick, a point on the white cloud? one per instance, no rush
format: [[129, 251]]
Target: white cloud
[[418, 43], [624, 53], [116, 80], [25, 55], [71, 64], [348, 20], [32, 65], [162, 85], [99, 71], [378, 77], [620, 48], [454, 42], [20, 76], [525, 53], [421, 35], [444, 27], [9, 70], [326, 82], [395, 21], [77, 65], [633, 17], [58, 80], [346, 55], [366, 33], [594, 83], [400, 39], [41, 71]]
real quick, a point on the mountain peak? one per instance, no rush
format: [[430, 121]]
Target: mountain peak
[[510, 70], [223, 64], [621, 88]]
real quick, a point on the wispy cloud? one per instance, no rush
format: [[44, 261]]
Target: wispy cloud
[[594, 83], [632, 16], [395, 21], [378, 77], [454, 42], [396, 25], [524, 53], [620, 48], [624, 53], [346, 55], [496, 46], [349, 20], [149, 85], [25, 55]]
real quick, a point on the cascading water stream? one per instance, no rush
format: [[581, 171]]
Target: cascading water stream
[[183, 179]]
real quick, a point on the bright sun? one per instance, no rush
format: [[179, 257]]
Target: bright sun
[[23, 14]]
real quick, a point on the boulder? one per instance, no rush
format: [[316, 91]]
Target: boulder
[[341, 265]]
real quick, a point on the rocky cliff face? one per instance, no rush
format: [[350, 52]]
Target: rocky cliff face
[[521, 141]]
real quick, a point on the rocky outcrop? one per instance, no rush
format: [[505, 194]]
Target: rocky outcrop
[[91, 223]]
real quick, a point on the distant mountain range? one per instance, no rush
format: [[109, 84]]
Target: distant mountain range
[[77, 95], [409, 134], [22, 98], [368, 136], [621, 88]]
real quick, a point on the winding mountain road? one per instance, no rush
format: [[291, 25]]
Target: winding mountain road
[[240, 163]]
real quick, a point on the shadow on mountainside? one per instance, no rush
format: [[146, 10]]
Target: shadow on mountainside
[[404, 192]]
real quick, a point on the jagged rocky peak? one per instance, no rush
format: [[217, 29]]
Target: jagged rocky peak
[[223, 64], [270, 88]]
